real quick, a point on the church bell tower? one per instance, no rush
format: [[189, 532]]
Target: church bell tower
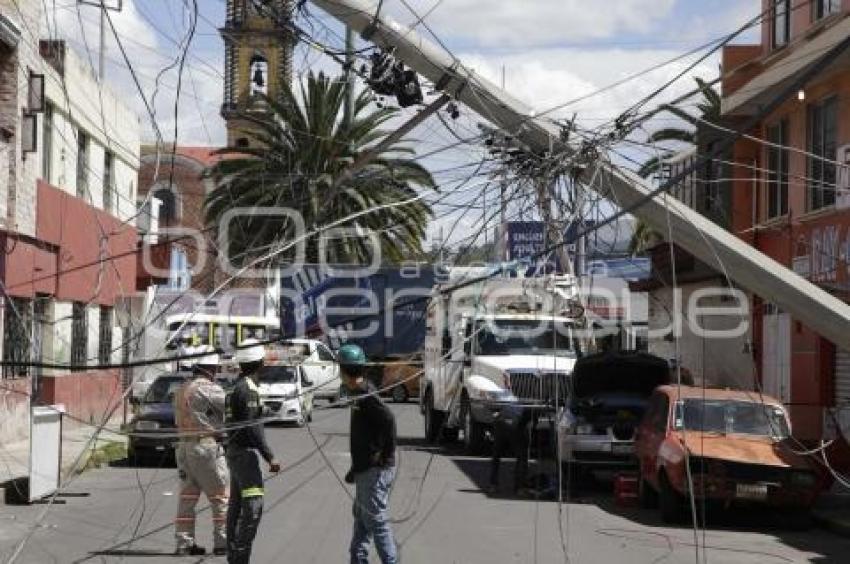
[[257, 61]]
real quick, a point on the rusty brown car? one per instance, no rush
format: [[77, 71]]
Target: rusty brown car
[[733, 446], [401, 380]]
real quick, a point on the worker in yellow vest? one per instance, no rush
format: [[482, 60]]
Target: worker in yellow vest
[[246, 443], [199, 411]]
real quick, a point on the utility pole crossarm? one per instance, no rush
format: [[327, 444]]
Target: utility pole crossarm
[[713, 245]]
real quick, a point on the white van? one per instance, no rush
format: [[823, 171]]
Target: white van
[[318, 362]]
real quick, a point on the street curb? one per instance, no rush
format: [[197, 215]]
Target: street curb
[[837, 526]]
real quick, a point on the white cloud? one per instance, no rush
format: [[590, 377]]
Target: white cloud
[[503, 23], [546, 78]]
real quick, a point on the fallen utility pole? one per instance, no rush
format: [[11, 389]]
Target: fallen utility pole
[[752, 270]]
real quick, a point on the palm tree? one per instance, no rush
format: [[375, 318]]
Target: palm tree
[[709, 110], [301, 148]]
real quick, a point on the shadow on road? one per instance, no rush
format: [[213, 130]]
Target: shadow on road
[[587, 490]]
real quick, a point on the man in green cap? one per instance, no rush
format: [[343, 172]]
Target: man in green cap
[[373, 444]]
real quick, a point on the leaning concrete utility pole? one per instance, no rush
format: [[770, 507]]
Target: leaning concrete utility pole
[[725, 252]]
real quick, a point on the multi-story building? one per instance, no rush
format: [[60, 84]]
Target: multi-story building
[[68, 179], [796, 208]]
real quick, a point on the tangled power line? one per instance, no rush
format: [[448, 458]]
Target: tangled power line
[[518, 172]]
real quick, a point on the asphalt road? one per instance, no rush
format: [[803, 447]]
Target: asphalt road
[[441, 514]]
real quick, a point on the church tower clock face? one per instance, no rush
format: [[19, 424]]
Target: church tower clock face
[[258, 62]]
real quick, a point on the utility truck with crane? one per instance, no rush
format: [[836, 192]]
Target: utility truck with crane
[[509, 341]]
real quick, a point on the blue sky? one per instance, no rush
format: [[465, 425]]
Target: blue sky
[[552, 51]]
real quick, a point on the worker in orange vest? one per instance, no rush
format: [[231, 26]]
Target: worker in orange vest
[[199, 411]]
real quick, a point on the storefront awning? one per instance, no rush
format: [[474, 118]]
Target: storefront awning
[[9, 32], [754, 94]]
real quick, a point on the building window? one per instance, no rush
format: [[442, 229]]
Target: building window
[[168, 206], [108, 176], [104, 338], [79, 336], [825, 8], [17, 336], [82, 163], [180, 275], [47, 144], [823, 142], [777, 165], [781, 22]]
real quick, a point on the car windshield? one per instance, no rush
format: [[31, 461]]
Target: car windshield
[[277, 375], [505, 337], [731, 416], [163, 389]]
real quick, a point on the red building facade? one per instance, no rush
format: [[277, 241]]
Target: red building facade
[[791, 194]]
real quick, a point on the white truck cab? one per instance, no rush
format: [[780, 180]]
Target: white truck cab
[[511, 341]]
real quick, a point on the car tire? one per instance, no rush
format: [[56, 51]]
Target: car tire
[[647, 496], [473, 431], [671, 503], [433, 420], [400, 394]]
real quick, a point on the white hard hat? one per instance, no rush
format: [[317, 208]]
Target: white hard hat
[[250, 350], [210, 357]]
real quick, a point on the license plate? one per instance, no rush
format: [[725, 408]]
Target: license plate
[[751, 491], [622, 448]]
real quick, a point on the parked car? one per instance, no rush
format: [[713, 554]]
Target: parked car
[[610, 391], [318, 362], [153, 427], [401, 380], [285, 392], [736, 445]]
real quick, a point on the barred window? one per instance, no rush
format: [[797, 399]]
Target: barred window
[[825, 8], [777, 164], [108, 180], [781, 22], [79, 336], [823, 145], [82, 164], [104, 339], [17, 336]]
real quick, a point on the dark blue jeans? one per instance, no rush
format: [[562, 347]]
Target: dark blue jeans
[[371, 518]]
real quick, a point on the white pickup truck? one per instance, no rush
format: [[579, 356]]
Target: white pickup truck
[[512, 340]]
